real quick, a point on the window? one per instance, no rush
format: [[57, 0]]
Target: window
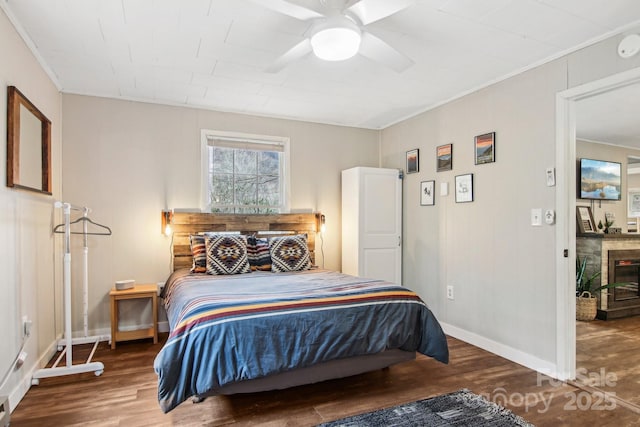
[[244, 173]]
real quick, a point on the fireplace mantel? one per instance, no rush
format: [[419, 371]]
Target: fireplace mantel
[[605, 236]]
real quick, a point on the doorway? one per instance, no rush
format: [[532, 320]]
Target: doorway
[[566, 119]]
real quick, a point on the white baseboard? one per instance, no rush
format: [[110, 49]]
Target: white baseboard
[[5, 412], [79, 338], [163, 326], [103, 334], [502, 350], [25, 382]]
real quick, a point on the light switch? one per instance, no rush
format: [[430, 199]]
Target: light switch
[[444, 188], [536, 217], [551, 177]]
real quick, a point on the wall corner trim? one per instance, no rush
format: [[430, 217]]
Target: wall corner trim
[[518, 356]]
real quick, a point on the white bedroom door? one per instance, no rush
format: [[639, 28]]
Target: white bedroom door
[[372, 223]]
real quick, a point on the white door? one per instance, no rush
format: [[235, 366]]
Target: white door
[[381, 224], [372, 223]]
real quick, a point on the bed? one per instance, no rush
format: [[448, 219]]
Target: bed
[[262, 330]]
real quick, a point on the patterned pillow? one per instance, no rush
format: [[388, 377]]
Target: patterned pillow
[[289, 253], [199, 253], [227, 254], [258, 254], [199, 250]]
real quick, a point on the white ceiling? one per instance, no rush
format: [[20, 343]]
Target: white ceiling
[[612, 117], [212, 53]]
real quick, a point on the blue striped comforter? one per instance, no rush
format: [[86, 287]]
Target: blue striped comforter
[[226, 329]]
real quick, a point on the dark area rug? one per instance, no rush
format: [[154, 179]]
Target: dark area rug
[[461, 408]]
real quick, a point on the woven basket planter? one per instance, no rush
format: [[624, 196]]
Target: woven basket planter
[[586, 307]]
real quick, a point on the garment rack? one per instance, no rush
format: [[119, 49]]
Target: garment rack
[[104, 231], [96, 367]]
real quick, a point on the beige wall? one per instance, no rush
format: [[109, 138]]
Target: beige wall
[[28, 287], [487, 249], [612, 153], [503, 269], [129, 160]]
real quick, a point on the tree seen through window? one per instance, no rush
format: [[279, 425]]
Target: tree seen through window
[[244, 180]]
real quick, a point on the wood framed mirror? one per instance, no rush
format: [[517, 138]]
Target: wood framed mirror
[[28, 145]]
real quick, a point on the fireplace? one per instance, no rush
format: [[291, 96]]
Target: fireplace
[[617, 257], [624, 267]]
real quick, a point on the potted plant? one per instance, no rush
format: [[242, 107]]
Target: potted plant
[[607, 225], [586, 301]]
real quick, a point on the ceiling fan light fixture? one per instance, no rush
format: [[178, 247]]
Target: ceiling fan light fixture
[[336, 41]]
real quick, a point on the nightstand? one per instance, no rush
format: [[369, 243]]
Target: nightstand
[[137, 292]]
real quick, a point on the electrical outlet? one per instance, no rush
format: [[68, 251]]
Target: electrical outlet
[[22, 357], [26, 326], [449, 292]]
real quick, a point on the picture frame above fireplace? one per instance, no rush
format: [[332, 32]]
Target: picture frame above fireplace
[[586, 224], [633, 198]]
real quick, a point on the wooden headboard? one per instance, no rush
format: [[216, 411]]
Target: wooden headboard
[[263, 225]]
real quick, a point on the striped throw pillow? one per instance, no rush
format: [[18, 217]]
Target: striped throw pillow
[[258, 253], [199, 253]]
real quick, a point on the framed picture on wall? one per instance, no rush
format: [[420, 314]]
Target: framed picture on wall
[[485, 146], [427, 189], [634, 203], [444, 155], [464, 188], [586, 224], [413, 161]]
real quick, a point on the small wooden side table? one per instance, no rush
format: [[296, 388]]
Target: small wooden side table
[[138, 291]]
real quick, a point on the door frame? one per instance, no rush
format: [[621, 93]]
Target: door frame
[[566, 212]]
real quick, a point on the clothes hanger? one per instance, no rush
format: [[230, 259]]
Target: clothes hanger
[[107, 231]]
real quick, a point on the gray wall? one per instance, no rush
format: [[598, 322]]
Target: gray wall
[[129, 160], [502, 268], [31, 279], [485, 249], [611, 153]]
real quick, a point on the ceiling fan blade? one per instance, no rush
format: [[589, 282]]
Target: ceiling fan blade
[[297, 52], [377, 50], [290, 9], [369, 11]]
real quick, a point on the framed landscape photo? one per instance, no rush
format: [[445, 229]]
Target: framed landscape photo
[[444, 155], [485, 146], [413, 161], [464, 188], [427, 190]]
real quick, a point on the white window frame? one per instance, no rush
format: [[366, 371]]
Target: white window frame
[[207, 134]]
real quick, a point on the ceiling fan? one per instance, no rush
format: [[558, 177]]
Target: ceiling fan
[[339, 32]]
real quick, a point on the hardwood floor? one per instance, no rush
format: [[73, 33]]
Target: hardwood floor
[[125, 394], [609, 354]]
